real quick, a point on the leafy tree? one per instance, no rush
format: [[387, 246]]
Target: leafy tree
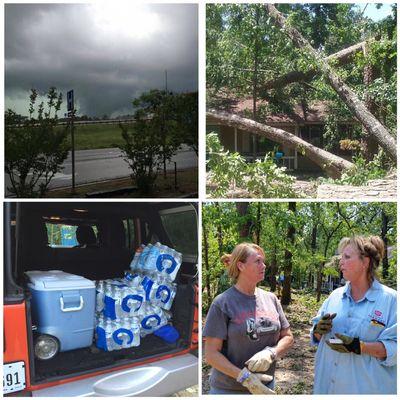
[[301, 244], [186, 114], [35, 148], [143, 151], [153, 140]]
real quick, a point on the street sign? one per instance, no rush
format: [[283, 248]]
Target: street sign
[[70, 100]]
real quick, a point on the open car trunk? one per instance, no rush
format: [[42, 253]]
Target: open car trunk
[[119, 229]]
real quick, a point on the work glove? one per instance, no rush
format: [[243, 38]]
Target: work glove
[[261, 361], [349, 345], [324, 325], [254, 382]]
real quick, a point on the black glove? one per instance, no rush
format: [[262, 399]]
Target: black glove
[[324, 325], [349, 345]]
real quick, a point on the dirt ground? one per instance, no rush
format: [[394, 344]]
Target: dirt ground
[[295, 372]]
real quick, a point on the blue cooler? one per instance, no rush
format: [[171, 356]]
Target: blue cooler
[[63, 306]]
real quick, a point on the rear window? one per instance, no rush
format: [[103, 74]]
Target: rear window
[[181, 227], [63, 235]]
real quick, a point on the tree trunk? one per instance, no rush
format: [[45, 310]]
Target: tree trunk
[[371, 145], [332, 164], [319, 282], [206, 266], [371, 124], [274, 270], [384, 230], [219, 233], [313, 241], [341, 57], [244, 223], [258, 225], [255, 83], [286, 295]]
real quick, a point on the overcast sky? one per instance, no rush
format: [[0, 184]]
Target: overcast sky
[[107, 53]]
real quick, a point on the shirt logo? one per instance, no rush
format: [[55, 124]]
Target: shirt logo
[[375, 322], [378, 313], [260, 326]]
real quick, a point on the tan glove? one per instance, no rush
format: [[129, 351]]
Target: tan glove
[[254, 382], [261, 361], [324, 325]]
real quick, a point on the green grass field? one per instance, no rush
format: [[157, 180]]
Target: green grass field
[[97, 136]]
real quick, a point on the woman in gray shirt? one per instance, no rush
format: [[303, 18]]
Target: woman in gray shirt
[[246, 329]]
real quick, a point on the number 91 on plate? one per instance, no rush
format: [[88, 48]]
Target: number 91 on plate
[[13, 377]]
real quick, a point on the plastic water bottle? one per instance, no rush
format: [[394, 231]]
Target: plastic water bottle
[[132, 301], [150, 320], [168, 262], [109, 301], [109, 329], [132, 279], [100, 296], [165, 293], [150, 262], [143, 256], [135, 327], [147, 285], [135, 260], [163, 315]]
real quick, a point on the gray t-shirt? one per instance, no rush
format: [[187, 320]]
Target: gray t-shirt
[[246, 324]]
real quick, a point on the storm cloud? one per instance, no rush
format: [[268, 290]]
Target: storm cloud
[[107, 54]]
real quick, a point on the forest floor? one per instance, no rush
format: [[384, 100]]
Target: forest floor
[[295, 372]]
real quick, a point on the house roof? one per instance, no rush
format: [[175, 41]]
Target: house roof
[[316, 112]]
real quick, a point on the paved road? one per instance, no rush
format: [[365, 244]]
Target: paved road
[[103, 164]]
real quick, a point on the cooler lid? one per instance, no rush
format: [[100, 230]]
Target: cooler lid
[[55, 280]]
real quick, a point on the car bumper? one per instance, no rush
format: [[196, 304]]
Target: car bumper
[[161, 378]]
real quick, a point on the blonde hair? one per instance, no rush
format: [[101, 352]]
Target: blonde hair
[[239, 254], [367, 246]]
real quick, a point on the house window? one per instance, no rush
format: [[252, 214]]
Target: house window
[[312, 134], [265, 145]]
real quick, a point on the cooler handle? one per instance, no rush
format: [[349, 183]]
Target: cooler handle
[[72, 308]]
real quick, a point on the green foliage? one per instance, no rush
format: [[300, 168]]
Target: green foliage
[[143, 151], [245, 49], [163, 121], [362, 172], [35, 150], [262, 178], [329, 221]]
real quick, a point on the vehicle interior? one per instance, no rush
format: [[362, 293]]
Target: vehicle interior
[[98, 241]]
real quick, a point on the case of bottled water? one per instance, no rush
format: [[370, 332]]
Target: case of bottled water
[[138, 304]]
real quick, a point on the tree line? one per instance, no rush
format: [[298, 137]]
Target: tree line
[[36, 147], [299, 239]]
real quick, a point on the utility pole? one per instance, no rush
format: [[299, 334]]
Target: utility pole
[[71, 112], [163, 124]]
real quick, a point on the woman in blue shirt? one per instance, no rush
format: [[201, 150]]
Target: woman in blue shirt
[[356, 327]]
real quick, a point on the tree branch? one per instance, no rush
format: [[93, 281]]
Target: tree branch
[[374, 128]]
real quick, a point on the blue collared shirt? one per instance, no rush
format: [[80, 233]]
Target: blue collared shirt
[[372, 319]]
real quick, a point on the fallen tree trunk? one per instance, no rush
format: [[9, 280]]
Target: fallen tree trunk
[[341, 57], [371, 124], [331, 163]]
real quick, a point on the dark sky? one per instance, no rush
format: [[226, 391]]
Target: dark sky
[[107, 53]]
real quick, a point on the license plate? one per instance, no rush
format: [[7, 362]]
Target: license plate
[[13, 377]]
